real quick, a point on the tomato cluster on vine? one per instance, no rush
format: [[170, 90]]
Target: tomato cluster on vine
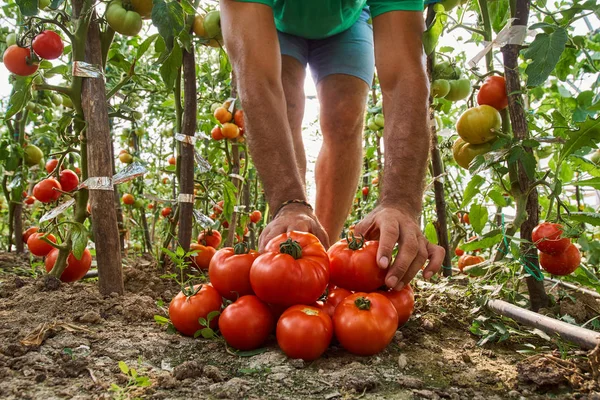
[[557, 254]]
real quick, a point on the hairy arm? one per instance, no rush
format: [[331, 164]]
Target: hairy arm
[[402, 74], [253, 48]]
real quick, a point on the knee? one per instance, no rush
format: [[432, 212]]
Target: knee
[[343, 121]]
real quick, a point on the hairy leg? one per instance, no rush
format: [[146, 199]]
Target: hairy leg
[[292, 77]]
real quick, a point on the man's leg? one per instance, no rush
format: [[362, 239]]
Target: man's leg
[[342, 99], [292, 77]]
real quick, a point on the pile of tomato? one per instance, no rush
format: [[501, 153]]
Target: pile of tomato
[[301, 292], [557, 254]]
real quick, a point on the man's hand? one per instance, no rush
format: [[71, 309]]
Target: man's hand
[[293, 217], [391, 225]]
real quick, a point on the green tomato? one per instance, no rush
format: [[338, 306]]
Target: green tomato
[[372, 125], [379, 120], [67, 102], [57, 99], [440, 88], [33, 155], [137, 115], [128, 23], [138, 203], [11, 39], [459, 89], [212, 24], [214, 106], [596, 157], [450, 4], [445, 70], [43, 4], [544, 152], [464, 152]]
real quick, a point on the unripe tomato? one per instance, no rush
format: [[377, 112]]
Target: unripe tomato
[[446, 70], [479, 124], [246, 323], [203, 257], [125, 157], [33, 155], [18, 60], [464, 153], [29, 232], [547, 237], [216, 133], [230, 131], [304, 332], [44, 190], [165, 212], [48, 45], [440, 88], [562, 263], [143, 7], [128, 199], [128, 23], [185, 311], [68, 180], [255, 216], [75, 270], [459, 89], [38, 247], [198, 26], [493, 92]]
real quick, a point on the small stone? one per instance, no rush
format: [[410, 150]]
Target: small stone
[[214, 373], [427, 394], [234, 388], [297, 363], [91, 317], [398, 336], [402, 361], [466, 358], [428, 325], [513, 394], [409, 382], [39, 378], [114, 294], [166, 381], [188, 369], [279, 376]]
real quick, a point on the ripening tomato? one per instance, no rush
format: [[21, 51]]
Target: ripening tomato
[[186, 308], [48, 45], [365, 323], [18, 60], [353, 265], [238, 118], [203, 257], [128, 199], [229, 271], [493, 92], [216, 133], [246, 323], [210, 237], [222, 115], [304, 332], [294, 269], [562, 263], [37, 246], [335, 295], [76, 269], [230, 131], [365, 191], [547, 238], [165, 212], [29, 232], [375, 181], [51, 165], [218, 208], [466, 260], [255, 216], [68, 180], [403, 301], [465, 219], [44, 190], [172, 160], [479, 124]]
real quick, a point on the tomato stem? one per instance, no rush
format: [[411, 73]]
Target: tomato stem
[[362, 303], [292, 248], [356, 244], [190, 290], [241, 248]]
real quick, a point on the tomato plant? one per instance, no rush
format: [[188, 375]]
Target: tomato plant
[[246, 323], [192, 304], [353, 265], [304, 332]]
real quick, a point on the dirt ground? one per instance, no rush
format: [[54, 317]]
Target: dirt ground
[[68, 344]]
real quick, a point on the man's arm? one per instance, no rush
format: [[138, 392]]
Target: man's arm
[[253, 48], [402, 74]]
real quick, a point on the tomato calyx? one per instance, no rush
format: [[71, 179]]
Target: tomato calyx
[[190, 291], [241, 248], [310, 311], [292, 248], [356, 244], [362, 303]]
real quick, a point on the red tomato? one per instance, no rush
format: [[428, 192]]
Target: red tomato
[[459, 252], [185, 311], [165, 212], [293, 270], [128, 199], [29, 200], [493, 93], [218, 208], [229, 271], [466, 219], [51, 165], [38, 247], [76, 269], [44, 190], [68, 180], [547, 238], [18, 60], [238, 118], [403, 301], [466, 259], [563, 263], [48, 45], [365, 324], [172, 160], [246, 323], [29, 232], [365, 191], [204, 256], [353, 265], [77, 170], [210, 238], [216, 133], [151, 206], [304, 332], [255, 216], [335, 295]]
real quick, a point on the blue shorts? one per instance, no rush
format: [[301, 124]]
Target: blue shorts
[[350, 52]]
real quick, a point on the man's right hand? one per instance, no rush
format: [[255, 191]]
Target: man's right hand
[[293, 217]]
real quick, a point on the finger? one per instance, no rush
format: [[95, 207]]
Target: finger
[[387, 240], [436, 256], [408, 248], [264, 239], [366, 228], [323, 237], [416, 265]]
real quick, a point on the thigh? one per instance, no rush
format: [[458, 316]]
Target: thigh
[[350, 53], [293, 46]]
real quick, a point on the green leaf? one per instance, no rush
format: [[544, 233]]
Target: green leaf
[[499, 14], [79, 236], [161, 320], [594, 182], [479, 216], [123, 367], [587, 135], [145, 45], [20, 96], [212, 315], [586, 217], [430, 233], [168, 17], [247, 353], [207, 333], [544, 53], [472, 189], [498, 198], [433, 32], [170, 67], [28, 8], [56, 3], [484, 243], [229, 199]]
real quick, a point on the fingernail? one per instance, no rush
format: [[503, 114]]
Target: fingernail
[[399, 287], [383, 262], [391, 282]]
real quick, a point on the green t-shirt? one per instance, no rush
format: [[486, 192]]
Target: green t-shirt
[[318, 19]]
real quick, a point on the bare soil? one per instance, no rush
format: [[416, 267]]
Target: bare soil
[[68, 344]]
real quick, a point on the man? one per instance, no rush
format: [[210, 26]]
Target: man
[[269, 43]]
